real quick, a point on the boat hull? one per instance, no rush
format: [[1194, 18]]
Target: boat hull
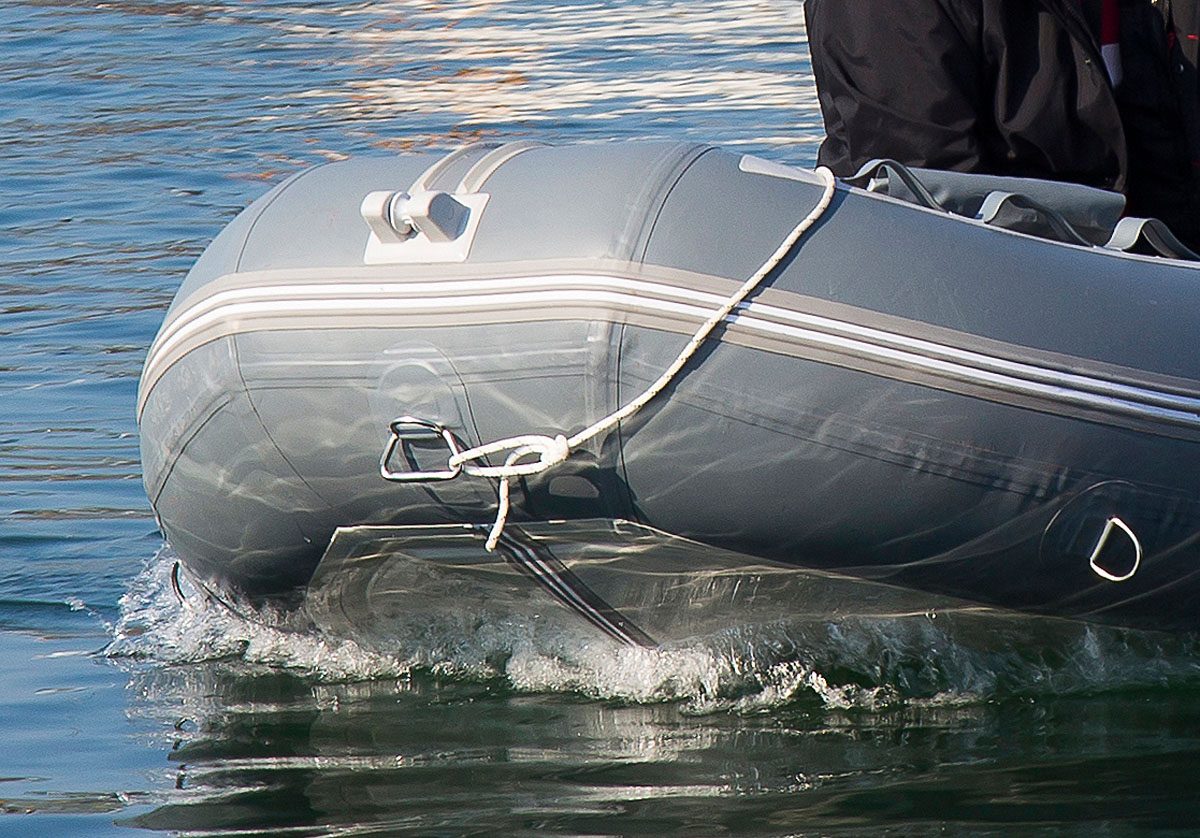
[[914, 397]]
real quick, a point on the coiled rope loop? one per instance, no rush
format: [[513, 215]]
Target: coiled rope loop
[[551, 450]]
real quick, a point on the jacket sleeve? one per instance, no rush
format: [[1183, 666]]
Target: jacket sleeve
[[899, 79]]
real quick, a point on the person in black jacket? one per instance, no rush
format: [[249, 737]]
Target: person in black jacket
[[1017, 87], [1160, 111]]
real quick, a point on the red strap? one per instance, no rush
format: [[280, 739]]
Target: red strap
[[1110, 22]]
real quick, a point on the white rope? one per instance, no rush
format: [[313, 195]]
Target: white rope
[[553, 450]]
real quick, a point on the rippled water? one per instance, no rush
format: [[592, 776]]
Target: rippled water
[[130, 132]]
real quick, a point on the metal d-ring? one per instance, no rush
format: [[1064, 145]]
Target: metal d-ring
[[1111, 524], [408, 428]]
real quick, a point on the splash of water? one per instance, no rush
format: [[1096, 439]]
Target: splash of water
[[868, 663]]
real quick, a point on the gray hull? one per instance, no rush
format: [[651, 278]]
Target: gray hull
[[914, 397]]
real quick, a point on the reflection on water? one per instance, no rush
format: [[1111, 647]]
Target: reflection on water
[[605, 69], [433, 758], [896, 721]]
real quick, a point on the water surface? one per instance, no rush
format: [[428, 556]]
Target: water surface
[[130, 132]]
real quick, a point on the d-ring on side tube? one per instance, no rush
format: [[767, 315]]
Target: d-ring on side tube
[[1115, 523], [410, 427]]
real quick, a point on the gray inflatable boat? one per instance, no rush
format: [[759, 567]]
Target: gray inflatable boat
[[963, 386]]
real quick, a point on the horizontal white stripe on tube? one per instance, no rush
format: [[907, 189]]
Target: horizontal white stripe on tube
[[315, 301]]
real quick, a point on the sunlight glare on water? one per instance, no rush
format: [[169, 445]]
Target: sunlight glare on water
[[597, 68]]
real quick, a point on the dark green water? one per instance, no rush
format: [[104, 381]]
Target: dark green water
[[130, 132]]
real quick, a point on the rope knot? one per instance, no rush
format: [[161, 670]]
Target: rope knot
[[550, 451]]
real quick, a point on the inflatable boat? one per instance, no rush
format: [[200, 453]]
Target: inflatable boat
[[971, 387]]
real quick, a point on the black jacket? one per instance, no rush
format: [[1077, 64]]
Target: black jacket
[[1160, 109], [1013, 87]]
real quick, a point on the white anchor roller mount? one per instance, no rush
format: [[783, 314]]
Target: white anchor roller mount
[[424, 224]]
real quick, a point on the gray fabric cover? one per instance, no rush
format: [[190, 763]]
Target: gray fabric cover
[[1093, 213]]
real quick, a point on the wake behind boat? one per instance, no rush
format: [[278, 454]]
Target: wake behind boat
[[999, 403]]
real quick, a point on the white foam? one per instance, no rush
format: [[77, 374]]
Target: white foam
[[857, 664]]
